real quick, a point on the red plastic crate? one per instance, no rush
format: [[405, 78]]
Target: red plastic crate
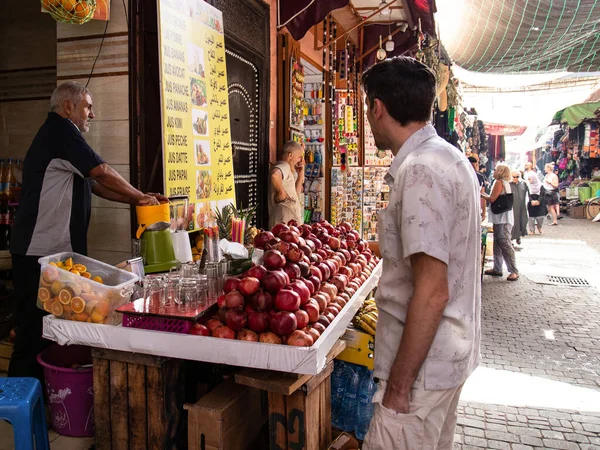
[[157, 323]]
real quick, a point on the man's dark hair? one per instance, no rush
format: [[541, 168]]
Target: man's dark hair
[[472, 159], [404, 85]]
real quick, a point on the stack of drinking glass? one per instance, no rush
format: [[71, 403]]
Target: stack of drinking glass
[[185, 288]]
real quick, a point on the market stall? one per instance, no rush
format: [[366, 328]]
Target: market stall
[[294, 295], [575, 153]]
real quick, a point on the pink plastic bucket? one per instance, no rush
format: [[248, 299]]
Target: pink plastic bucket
[[70, 390]]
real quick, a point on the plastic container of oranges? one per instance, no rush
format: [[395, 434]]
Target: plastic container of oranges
[[76, 287]]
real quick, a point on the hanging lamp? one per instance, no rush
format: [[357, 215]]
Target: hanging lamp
[[389, 45], [381, 54], [386, 11]]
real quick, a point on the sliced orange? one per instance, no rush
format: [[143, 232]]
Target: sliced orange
[[50, 274], [80, 317], [98, 279], [56, 287], [78, 304], [48, 304], [76, 272], [57, 309], [44, 294], [103, 307], [52, 263], [97, 317], [68, 262], [80, 268], [86, 275], [65, 296]]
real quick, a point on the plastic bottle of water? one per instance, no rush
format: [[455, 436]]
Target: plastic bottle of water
[[339, 378], [347, 415], [365, 404]]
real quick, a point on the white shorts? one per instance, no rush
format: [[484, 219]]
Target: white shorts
[[429, 424]]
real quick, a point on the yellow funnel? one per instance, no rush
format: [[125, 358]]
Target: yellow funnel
[[149, 215]]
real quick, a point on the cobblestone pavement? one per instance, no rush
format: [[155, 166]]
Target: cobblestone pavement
[[539, 382]]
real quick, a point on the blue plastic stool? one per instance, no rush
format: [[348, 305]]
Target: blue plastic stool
[[22, 404]]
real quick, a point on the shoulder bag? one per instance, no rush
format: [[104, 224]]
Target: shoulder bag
[[503, 203]]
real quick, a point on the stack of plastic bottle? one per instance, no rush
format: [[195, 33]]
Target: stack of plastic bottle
[[352, 389]]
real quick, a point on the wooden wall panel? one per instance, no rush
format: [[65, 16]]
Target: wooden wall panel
[[27, 74], [19, 123], [75, 58], [27, 37]]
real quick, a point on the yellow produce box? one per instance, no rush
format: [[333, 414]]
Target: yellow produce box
[[360, 348], [76, 287]]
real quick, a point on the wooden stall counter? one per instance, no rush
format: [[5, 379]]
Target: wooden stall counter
[[299, 405]]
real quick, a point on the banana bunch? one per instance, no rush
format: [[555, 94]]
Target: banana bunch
[[366, 317]]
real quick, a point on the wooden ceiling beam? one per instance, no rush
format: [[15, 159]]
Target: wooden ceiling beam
[[394, 33], [357, 25]]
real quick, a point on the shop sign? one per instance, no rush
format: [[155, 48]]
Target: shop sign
[[197, 149]]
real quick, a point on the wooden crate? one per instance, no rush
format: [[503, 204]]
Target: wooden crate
[[6, 349], [299, 405], [138, 401], [228, 418]]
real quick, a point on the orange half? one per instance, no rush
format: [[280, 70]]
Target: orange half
[[78, 305], [79, 268], [64, 296], [57, 309], [44, 294]]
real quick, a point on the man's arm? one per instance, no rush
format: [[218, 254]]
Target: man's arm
[[113, 186], [425, 310], [300, 181], [483, 204], [277, 182]]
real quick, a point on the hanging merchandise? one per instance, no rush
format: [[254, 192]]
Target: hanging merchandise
[[375, 198], [313, 146], [374, 156], [346, 196], [70, 11], [297, 102], [345, 148]]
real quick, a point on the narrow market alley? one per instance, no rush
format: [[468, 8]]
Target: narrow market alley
[[538, 385]]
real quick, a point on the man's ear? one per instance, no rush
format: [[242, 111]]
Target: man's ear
[[378, 108], [67, 107]]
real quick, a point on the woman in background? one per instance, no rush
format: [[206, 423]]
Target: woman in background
[[550, 185], [502, 223]]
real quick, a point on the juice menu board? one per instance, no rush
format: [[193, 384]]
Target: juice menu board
[[197, 153]]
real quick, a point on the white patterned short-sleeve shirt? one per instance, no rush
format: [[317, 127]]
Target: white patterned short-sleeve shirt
[[434, 209]]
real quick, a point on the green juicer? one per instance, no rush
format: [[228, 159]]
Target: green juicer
[[155, 238], [157, 250]]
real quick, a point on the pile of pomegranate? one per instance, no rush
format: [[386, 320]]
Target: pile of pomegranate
[[308, 274]]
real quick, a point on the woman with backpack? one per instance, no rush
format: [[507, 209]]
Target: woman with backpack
[[502, 218]]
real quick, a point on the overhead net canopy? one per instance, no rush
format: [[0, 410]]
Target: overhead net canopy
[[521, 35]]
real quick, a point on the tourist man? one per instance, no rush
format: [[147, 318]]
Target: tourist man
[[481, 180], [429, 294], [59, 175], [286, 184]]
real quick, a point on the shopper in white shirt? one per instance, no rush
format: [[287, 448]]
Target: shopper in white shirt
[[536, 208], [550, 184], [428, 334]]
